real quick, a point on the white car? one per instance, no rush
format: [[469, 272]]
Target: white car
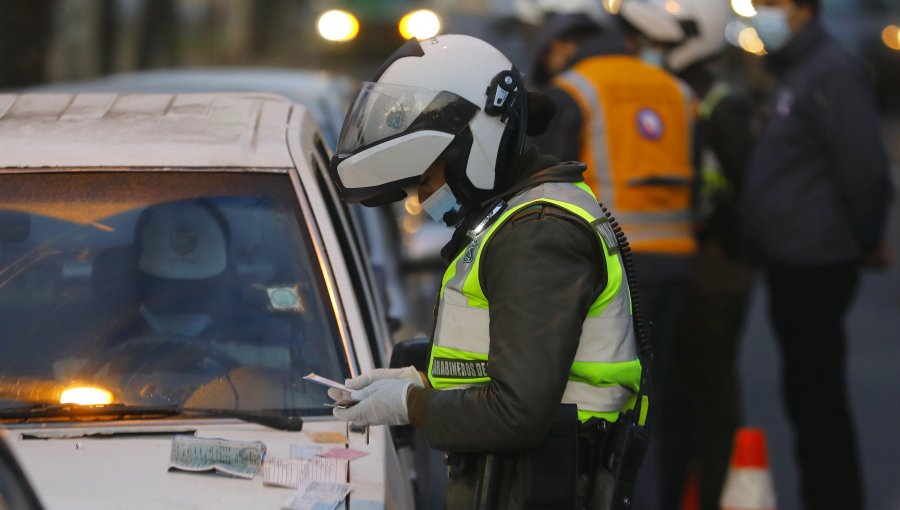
[[173, 265]]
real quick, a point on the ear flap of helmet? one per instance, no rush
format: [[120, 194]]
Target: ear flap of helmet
[[503, 93]]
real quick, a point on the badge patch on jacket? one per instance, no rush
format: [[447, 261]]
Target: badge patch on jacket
[[784, 102], [649, 124], [469, 255], [606, 233], [459, 368]]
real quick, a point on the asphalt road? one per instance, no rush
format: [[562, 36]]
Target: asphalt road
[[873, 372]]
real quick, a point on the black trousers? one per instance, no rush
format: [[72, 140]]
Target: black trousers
[[808, 305], [703, 410]]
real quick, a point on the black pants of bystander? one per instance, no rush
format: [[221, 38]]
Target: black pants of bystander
[[808, 308]]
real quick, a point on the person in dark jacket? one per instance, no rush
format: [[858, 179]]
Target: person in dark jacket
[[815, 204], [534, 328]]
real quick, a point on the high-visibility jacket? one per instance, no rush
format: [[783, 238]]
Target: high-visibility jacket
[[636, 142], [605, 376]]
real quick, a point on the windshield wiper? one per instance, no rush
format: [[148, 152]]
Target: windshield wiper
[[288, 420], [280, 419]]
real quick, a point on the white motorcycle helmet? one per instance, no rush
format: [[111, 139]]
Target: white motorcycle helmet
[[702, 22], [707, 38], [451, 96], [650, 18]]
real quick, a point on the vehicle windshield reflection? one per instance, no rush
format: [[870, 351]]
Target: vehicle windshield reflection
[[191, 289]]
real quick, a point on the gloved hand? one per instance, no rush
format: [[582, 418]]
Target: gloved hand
[[362, 380], [381, 403]]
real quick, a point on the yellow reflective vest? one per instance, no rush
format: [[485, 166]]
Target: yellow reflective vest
[[636, 142], [605, 376]]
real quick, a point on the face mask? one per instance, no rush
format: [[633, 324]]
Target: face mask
[[772, 27], [654, 57], [443, 207]]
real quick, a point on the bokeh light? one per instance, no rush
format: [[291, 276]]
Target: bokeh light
[[412, 205], [672, 7], [421, 24], [85, 396], [612, 6], [338, 26], [750, 42], [743, 8], [891, 37]]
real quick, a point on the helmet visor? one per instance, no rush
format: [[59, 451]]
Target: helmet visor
[[384, 111]]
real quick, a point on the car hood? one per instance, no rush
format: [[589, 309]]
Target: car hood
[[125, 465]]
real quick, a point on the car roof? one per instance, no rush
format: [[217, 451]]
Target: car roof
[[325, 95], [145, 130]]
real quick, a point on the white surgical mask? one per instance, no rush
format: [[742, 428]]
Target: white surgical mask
[[654, 57], [772, 27], [440, 203]]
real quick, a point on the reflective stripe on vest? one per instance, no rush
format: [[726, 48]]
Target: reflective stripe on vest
[[637, 146], [606, 373]]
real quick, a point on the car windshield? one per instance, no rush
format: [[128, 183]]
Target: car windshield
[[194, 289]]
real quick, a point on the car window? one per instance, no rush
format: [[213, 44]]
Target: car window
[[200, 289]]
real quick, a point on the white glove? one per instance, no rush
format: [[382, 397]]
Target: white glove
[[381, 403], [409, 374]]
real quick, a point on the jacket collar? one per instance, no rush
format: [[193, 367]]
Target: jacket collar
[[801, 47], [533, 170]]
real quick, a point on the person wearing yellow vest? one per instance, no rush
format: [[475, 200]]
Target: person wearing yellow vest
[[632, 123], [534, 382]]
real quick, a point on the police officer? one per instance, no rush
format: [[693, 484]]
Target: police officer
[[534, 334]]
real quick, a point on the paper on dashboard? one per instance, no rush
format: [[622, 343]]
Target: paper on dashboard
[[291, 473], [314, 495], [236, 458]]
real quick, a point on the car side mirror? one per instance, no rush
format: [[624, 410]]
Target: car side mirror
[[413, 352]]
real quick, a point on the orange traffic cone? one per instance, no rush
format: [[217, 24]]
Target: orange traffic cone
[[748, 485], [690, 498]]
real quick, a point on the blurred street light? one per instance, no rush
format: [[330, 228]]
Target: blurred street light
[[891, 37], [612, 6], [412, 205], [421, 24], [743, 8], [750, 42], [338, 26], [672, 6]]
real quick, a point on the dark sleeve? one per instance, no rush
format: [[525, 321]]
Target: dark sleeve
[[562, 138], [730, 136], [848, 122], [540, 274]]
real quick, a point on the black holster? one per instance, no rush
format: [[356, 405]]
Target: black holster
[[617, 450]]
